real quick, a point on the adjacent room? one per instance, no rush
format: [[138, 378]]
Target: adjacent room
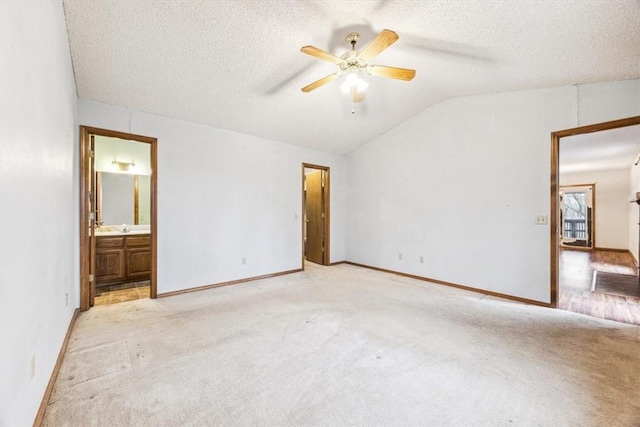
[[319, 213], [599, 217]]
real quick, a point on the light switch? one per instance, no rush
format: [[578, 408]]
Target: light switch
[[541, 220]]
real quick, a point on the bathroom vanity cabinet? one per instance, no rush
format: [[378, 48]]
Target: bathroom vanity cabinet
[[122, 258]]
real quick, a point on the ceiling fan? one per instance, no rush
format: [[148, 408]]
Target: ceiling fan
[[354, 63]]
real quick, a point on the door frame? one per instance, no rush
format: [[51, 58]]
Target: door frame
[[555, 188], [592, 223], [327, 205], [85, 137]]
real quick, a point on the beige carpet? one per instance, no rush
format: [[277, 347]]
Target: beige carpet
[[342, 346]]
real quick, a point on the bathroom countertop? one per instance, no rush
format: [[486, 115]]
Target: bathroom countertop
[[122, 233]]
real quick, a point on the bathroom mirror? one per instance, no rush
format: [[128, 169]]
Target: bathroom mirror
[[123, 198]]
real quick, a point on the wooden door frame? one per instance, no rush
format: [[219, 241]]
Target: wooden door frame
[[85, 134], [555, 188], [327, 221], [592, 226]]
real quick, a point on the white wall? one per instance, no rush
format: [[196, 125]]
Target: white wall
[[223, 196], [611, 204], [38, 201], [634, 187], [461, 183]]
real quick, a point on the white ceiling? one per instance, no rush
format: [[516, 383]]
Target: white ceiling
[[604, 150], [236, 64]]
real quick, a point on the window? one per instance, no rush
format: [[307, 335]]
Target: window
[[574, 207]]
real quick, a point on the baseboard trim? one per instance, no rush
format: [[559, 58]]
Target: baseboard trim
[[54, 373], [231, 282], [338, 263], [613, 250], [455, 285], [576, 248]]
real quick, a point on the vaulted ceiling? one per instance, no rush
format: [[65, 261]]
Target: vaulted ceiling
[[237, 64]]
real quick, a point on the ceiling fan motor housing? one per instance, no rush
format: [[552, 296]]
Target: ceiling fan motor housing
[[352, 62]]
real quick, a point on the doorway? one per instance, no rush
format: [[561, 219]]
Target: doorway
[[315, 214], [588, 152], [118, 211]]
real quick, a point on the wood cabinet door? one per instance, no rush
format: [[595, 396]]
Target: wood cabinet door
[[110, 265], [139, 263]]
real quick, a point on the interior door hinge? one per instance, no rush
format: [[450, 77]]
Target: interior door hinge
[[90, 153], [91, 278], [92, 216]]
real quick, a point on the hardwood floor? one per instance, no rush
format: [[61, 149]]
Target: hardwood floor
[[120, 293], [576, 275]]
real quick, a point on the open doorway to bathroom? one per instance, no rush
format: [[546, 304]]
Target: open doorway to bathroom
[[315, 214], [118, 210]]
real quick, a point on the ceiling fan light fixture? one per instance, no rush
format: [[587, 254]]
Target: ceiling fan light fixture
[[353, 81]]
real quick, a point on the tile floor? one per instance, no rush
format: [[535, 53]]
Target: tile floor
[[120, 293]]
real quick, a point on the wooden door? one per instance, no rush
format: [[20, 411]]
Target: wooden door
[[314, 213], [91, 177]]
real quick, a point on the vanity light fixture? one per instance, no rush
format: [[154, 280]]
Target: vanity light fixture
[[123, 166]]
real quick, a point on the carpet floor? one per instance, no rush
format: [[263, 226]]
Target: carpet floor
[[345, 346]]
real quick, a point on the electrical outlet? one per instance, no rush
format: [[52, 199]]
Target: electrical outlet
[[541, 220], [400, 255], [421, 259], [243, 260], [32, 366]]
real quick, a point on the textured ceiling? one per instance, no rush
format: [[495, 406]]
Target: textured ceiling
[[236, 64], [609, 149]]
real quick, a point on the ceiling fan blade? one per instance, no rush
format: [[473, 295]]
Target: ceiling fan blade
[[382, 41], [392, 72], [321, 82], [321, 54]]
